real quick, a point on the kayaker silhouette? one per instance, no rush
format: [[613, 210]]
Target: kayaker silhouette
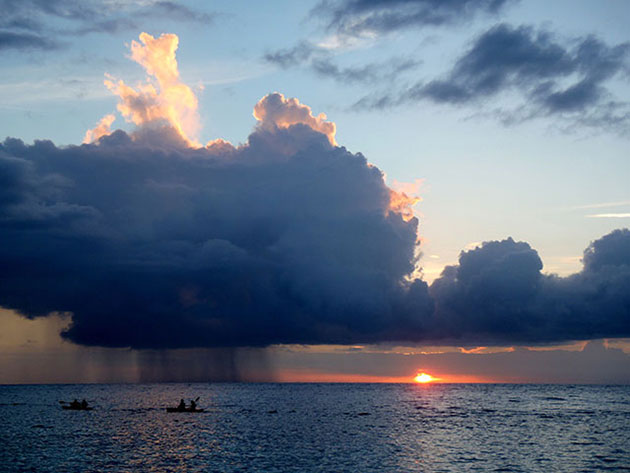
[[84, 404], [75, 404], [182, 407]]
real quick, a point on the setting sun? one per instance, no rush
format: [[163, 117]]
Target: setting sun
[[424, 378]]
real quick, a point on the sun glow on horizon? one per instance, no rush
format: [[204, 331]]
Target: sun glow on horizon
[[424, 378]]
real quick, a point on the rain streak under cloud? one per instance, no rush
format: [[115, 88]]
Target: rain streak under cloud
[[150, 240]]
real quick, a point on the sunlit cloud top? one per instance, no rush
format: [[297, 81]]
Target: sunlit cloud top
[[162, 98], [275, 110]]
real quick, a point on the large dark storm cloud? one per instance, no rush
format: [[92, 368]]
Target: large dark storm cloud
[[497, 294], [150, 244]]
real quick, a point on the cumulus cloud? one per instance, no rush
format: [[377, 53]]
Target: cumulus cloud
[[612, 250], [285, 239], [163, 98], [498, 294], [276, 111], [102, 128]]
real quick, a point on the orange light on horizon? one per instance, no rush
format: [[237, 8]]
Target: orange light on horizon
[[424, 378], [305, 375]]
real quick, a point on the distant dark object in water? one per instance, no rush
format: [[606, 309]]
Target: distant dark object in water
[[75, 405], [274, 411], [185, 409], [363, 414], [70, 407]]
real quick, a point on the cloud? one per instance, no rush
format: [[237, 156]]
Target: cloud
[[149, 244], [320, 62], [285, 239], [150, 240], [163, 99], [276, 111], [610, 215], [31, 24], [506, 57], [293, 56], [175, 11], [512, 74], [368, 73], [361, 18], [552, 79], [66, 9], [20, 41], [102, 128], [351, 21], [600, 205], [498, 294], [108, 26], [613, 250]]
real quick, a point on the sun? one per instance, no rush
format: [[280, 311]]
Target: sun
[[424, 378]]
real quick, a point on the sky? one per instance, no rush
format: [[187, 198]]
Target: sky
[[342, 190]]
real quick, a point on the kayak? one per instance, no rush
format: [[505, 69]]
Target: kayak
[[187, 409], [72, 408]]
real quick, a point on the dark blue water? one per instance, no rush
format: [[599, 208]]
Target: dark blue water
[[317, 428]]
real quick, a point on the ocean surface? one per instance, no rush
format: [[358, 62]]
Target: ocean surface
[[317, 428]]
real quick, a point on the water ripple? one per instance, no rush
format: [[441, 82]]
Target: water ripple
[[317, 428]]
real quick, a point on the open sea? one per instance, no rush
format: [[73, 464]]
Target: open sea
[[316, 428]]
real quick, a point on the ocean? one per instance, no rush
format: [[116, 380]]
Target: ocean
[[316, 428]]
